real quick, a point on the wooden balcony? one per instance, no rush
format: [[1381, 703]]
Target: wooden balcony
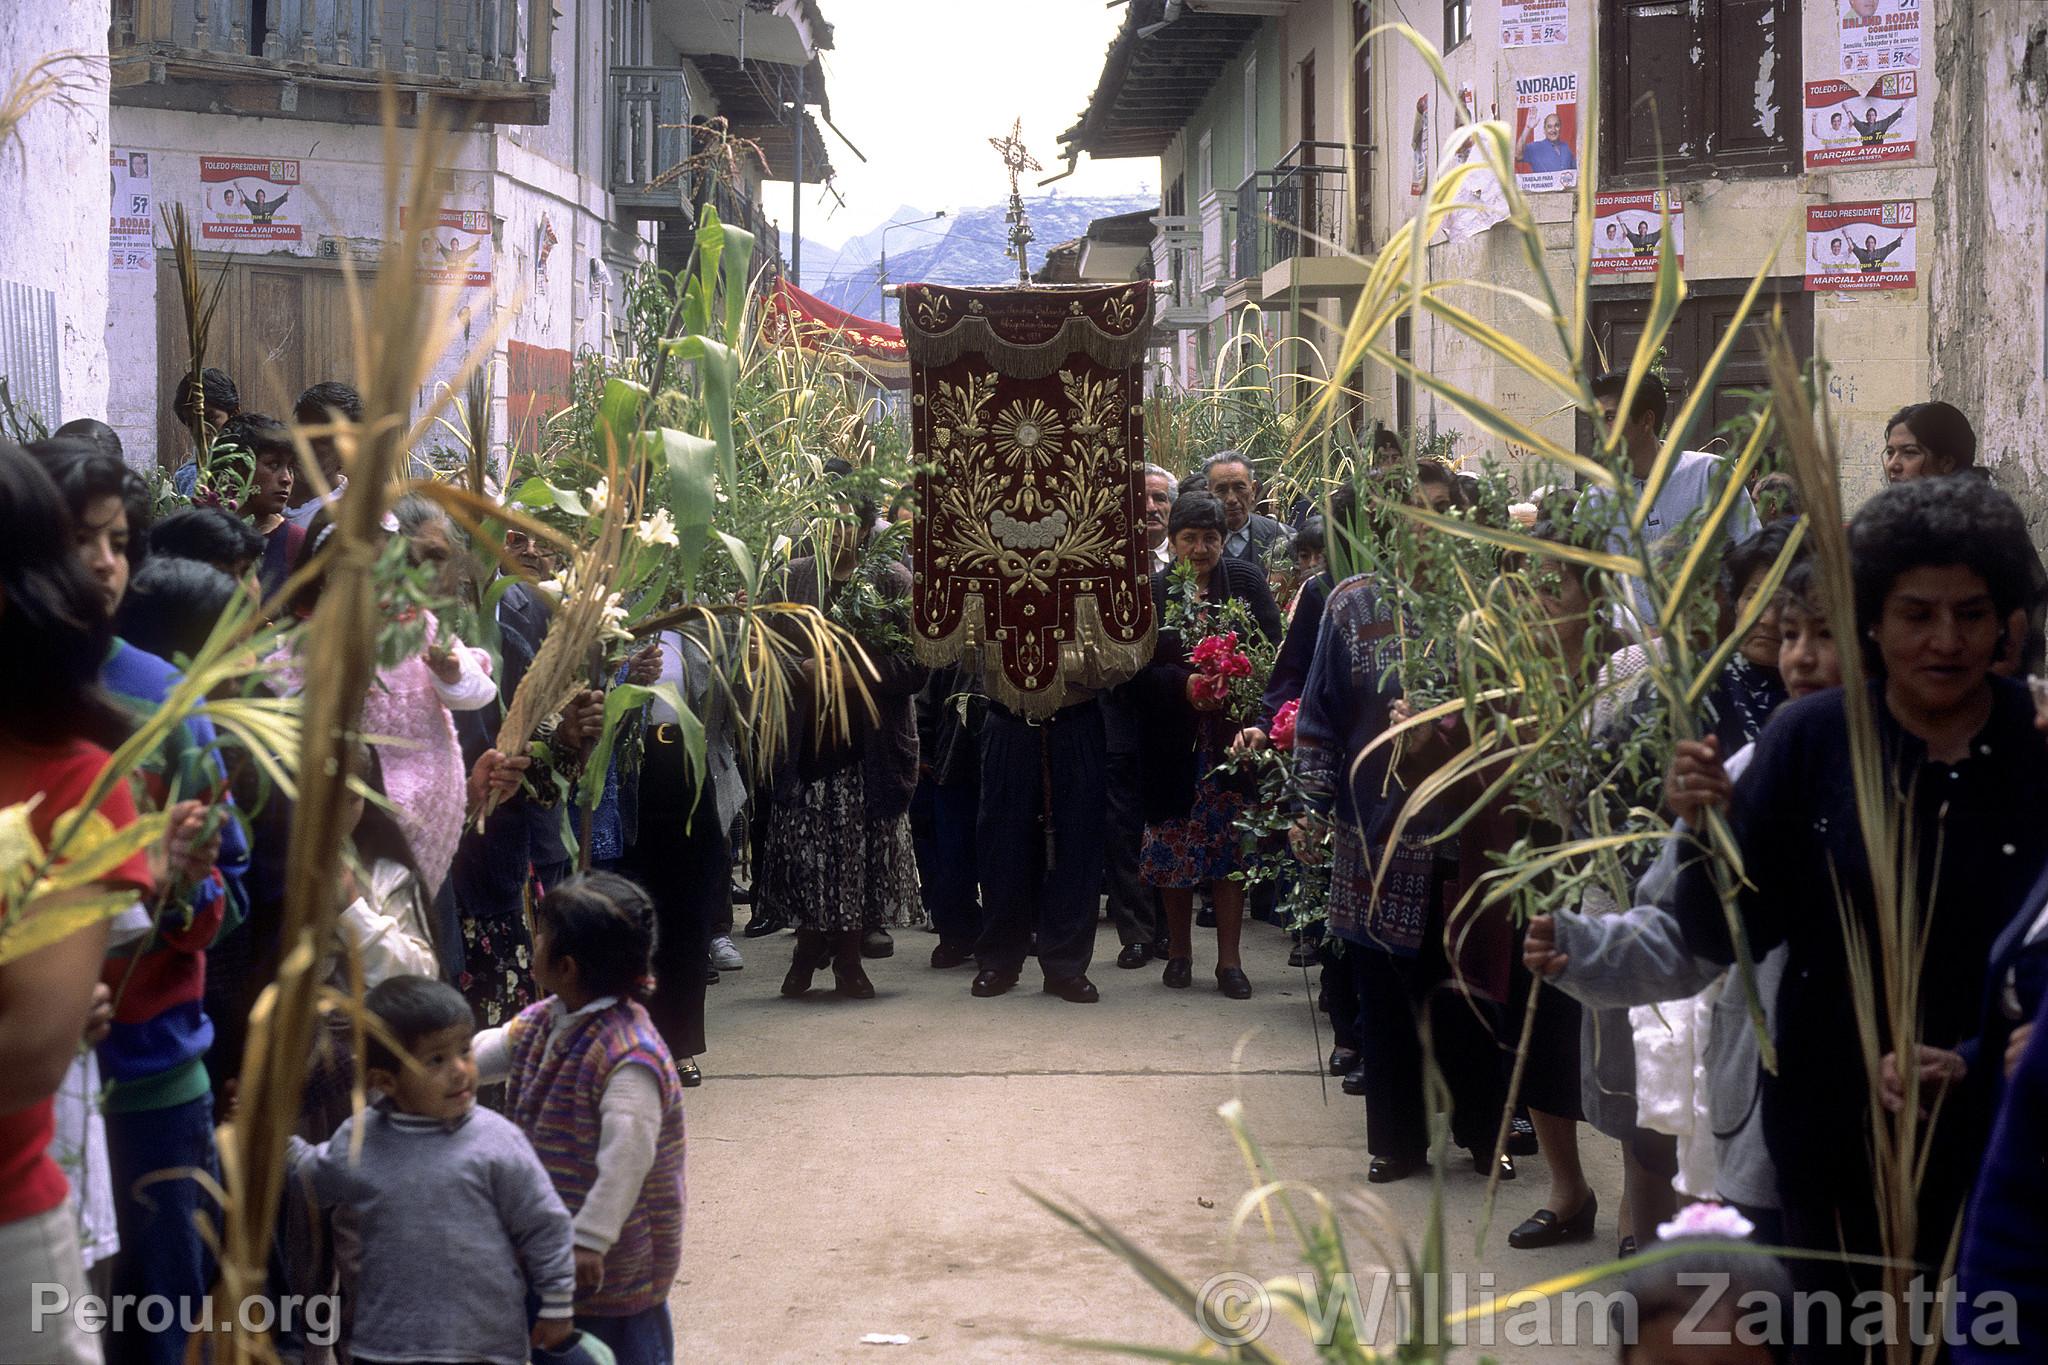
[[327, 59], [650, 140]]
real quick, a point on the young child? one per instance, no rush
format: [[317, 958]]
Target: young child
[[593, 1086], [442, 1186], [1707, 1305]]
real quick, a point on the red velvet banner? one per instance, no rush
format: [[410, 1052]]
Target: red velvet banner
[[1028, 546]]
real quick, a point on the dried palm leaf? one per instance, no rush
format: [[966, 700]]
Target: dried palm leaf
[[200, 300], [401, 330]]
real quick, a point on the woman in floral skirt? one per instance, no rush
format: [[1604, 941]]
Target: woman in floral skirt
[[1191, 837]]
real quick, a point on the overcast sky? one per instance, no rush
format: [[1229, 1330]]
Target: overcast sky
[[921, 85]]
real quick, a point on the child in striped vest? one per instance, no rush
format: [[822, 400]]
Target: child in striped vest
[[590, 1082]]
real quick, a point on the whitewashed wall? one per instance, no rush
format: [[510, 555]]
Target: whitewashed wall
[[54, 192]]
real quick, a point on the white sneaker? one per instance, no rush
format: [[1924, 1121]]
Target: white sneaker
[[725, 956]]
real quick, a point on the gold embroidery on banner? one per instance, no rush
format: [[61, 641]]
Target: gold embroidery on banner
[[932, 311], [1119, 313]]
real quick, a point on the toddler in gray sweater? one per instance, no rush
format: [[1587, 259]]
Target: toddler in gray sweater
[[459, 1221]]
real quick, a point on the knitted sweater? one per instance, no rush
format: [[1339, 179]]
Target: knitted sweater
[[555, 1091], [407, 709], [458, 1224]]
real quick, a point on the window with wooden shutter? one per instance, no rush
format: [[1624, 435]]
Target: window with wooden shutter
[[1718, 82]]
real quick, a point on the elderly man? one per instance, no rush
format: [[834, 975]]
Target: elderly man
[[1247, 534], [1160, 489]]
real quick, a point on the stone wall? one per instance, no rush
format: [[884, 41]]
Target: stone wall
[[1990, 261]]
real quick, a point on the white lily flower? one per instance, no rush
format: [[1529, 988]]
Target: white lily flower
[[659, 529], [599, 494]]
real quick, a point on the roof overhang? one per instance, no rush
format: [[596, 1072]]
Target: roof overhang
[[1158, 71]]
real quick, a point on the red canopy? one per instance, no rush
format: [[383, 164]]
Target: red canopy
[[791, 317]]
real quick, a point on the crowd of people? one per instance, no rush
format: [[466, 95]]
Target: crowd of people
[[561, 971]]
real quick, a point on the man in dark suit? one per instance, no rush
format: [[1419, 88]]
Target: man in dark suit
[[1248, 534]]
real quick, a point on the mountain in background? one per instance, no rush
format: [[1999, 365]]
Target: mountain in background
[[965, 247]]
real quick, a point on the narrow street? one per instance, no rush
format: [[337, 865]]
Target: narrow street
[[854, 1167]]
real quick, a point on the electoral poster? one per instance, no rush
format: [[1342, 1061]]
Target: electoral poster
[[1880, 35], [131, 224], [1532, 23], [1860, 246], [1629, 227], [457, 249], [1846, 126], [250, 199], [1547, 132]]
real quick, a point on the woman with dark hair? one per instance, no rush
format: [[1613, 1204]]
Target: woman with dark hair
[[211, 535], [1940, 565], [839, 862], [159, 1104], [1191, 837], [1928, 440], [55, 729]]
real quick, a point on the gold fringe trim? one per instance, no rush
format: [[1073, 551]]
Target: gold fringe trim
[[1088, 662], [973, 335]]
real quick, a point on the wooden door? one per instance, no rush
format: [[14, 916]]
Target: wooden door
[[282, 326], [1702, 320]]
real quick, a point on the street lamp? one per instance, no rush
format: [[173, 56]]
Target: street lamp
[[884, 268]]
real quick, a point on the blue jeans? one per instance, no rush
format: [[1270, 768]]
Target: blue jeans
[[643, 1338], [942, 830], [160, 1248]]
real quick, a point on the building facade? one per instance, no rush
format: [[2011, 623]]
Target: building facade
[[588, 147], [1797, 137]]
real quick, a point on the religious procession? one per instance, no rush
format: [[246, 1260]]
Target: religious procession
[[607, 621]]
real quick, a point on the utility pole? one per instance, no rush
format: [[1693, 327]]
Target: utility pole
[[883, 316], [796, 194]]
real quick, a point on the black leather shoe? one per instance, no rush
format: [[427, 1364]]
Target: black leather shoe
[[989, 982], [952, 954], [1354, 1082], [1482, 1163], [1304, 955], [1343, 1061], [1161, 950], [1234, 984], [1179, 973], [1075, 990], [1385, 1170], [760, 926], [1133, 956], [876, 943], [711, 976], [1545, 1229], [688, 1074], [1521, 1137], [1206, 917]]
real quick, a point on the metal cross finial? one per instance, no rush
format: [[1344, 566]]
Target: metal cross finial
[[1018, 160], [1014, 155]]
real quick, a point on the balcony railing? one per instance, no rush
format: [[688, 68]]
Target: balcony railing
[[1301, 207], [650, 137], [326, 54], [1177, 259]]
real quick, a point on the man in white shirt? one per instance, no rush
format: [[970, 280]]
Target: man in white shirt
[[1159, 491], [1691, 489]]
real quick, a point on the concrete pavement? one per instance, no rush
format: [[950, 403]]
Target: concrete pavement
[[854, 1166]]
